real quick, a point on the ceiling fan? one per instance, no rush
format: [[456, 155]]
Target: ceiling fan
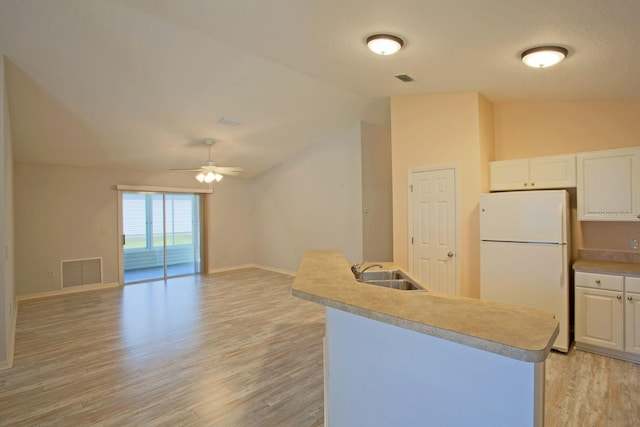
[[210, 171]]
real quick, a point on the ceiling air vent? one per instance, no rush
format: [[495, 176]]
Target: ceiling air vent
[[404, 77]]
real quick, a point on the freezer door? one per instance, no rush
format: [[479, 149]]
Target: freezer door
[[529, 275], [524, 216]]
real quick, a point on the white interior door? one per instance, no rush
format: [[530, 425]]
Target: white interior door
[[432, 228]]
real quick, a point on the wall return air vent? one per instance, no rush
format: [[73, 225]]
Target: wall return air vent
[[79, 272]]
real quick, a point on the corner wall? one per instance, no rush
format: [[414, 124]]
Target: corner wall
[[7, 283], [377, 217]]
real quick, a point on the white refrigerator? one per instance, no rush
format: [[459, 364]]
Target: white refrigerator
[[524, 252]]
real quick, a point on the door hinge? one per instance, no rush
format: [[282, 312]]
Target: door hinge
[[411, 188], [412, 240]]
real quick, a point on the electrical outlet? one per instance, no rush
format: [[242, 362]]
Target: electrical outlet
[[634, 244], [50, 274]]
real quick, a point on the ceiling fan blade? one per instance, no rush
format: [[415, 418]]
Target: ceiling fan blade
[[227, 170], [187, 170]]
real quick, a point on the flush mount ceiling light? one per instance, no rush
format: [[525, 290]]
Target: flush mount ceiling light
[[543, 56], [384, 44]]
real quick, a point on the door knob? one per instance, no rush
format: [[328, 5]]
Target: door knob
[[450, 254]]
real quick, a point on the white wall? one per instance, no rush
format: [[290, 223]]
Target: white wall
[[311, 201], [62, 213], [231, 230], [7, 284]]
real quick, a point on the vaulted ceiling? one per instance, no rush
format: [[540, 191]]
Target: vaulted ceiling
[[138, 84]]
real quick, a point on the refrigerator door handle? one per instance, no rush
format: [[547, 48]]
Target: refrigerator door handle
[[562, 224], [562, 268]]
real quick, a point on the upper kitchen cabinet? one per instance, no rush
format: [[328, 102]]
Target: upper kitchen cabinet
[[537, 173], [609, 185]]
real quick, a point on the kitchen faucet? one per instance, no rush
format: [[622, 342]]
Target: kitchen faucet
[[355, 268]]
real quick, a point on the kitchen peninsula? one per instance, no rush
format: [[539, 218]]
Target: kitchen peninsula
[[397, 357]]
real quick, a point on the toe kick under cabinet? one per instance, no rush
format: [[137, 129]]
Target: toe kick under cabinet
[[607, 314]]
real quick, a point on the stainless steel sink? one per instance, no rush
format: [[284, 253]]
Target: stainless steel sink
[[382, 275], [401, 284], [394, 279]]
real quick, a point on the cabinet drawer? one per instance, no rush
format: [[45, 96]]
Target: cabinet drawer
[[632, 284], [600, 281]]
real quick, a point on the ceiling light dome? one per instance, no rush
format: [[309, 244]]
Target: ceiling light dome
[[384, 44], [543, 56]]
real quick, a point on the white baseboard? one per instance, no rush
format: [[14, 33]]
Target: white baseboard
[[67, 291], [230, 268], [262, 267], [275, 270]]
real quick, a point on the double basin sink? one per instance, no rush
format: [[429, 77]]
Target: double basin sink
[[394, 279]]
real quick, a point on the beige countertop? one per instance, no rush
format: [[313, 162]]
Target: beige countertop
[[608, 262], [516, 332], [607, 267]]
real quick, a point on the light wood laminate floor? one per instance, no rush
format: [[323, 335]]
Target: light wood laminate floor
[[228, 349]]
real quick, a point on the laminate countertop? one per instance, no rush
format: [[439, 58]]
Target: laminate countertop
[[520, 333], [607, 267]]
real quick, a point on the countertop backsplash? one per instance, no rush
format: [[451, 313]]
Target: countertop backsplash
[[611, 256]]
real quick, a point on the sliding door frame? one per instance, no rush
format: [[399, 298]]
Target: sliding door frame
[[204, 222]]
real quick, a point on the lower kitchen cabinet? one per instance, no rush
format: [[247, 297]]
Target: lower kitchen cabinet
[[632, 315], [607, 314], [599, 318]]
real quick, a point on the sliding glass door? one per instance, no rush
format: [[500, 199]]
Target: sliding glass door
[[161, 235]]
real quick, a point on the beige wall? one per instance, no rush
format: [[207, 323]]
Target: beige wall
[[530, 129], [7, 282], [377, 218], [440, 129], [62, 212]]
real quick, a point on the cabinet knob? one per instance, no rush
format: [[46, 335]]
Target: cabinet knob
[[598, 281], [629, 298], [619, 297], [525, 184], [533, 183]]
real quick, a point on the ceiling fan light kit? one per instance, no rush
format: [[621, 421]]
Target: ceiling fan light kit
[[209, 177], [210, 172], [543, 56]]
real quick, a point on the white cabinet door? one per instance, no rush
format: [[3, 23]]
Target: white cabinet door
[[632, 323], [609, 185], [599, 318], [509, 175], [533, 174], [632, 314], [552, 172]]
